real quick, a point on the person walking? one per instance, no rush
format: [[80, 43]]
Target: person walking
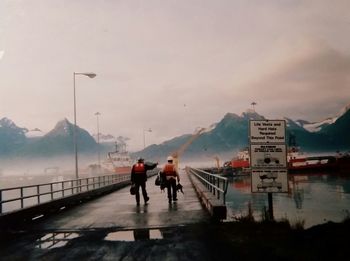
[[171, 175], [139, 178]]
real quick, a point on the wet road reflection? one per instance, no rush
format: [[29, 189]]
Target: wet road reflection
[[134, 235], [53, 240]]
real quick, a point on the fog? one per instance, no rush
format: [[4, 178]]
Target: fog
[[38, 166]]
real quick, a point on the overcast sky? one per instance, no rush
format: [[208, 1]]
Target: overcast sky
[[171, 65]]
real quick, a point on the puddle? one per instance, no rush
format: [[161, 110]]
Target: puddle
[[53, 240], [134, 235]]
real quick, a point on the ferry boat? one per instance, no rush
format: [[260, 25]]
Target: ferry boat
[[118, 161], [239, 165], [315, 163]]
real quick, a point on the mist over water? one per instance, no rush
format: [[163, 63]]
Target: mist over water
[[19, 172]]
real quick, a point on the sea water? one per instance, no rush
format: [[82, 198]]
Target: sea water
[[312, 199]]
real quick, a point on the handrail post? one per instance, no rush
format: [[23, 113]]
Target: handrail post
[[21, 197], [212, 182], [0, 201], [38, 193], [51, 190]]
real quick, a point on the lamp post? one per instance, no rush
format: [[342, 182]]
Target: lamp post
[[144, 139], [90, 75], [98, 139]]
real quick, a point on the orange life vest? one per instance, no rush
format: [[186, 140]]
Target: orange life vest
[[169, 170], [139, 168]]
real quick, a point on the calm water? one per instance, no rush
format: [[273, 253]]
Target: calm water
[[312, 198]]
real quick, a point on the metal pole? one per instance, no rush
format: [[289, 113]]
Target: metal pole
[[144, 142], [0, 201], [270, 205], [144, 139], [98, 139], [75, 131]]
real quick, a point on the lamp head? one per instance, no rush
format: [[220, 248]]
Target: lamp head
[[88, 74], [91, 75]]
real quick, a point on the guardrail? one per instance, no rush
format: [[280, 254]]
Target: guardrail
[[216, 184], [16, 198]]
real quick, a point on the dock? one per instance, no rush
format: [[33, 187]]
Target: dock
[[112, 223]]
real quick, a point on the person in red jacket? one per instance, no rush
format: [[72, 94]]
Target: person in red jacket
[[171, 175], [139, 178]]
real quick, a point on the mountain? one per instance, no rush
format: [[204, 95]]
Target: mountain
[[231, 134], [60, 140], [226, 136], [338, 132], [12, 137]]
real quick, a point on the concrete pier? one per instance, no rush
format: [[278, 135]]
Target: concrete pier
[[113, 227]]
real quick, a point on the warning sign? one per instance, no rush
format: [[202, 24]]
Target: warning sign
[[268, 156], [274, 180], [267, 131]]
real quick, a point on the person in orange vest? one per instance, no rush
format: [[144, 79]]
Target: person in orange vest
[[171, 175], [139, 178]]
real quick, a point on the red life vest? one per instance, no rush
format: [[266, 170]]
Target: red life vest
[[169, 170], [139, 168]]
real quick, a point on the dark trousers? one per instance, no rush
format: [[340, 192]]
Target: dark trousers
[[143, 188], [171, 187]]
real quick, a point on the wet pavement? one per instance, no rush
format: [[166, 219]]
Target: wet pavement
[[119, 209], [113, 227], [170, 243]]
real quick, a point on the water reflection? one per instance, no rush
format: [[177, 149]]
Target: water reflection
[[53, 240], [314, 198], [134, 235]]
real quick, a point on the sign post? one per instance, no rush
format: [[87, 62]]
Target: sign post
[[268, 158]]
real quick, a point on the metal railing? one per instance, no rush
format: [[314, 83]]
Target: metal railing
[[215, 184], [16, 198]]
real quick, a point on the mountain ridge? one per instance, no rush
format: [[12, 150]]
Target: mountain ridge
[[227, 135]]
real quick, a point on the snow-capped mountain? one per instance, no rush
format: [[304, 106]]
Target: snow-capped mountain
[[229, 134], [9, 124], [318, 126], [60, 140], [21, 141], [62, 128], [12, 137]]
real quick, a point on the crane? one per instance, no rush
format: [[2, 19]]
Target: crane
[[217, 160], [176, 154]]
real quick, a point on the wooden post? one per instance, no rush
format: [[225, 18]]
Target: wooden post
[[270, 205]]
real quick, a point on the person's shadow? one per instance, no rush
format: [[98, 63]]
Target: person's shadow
[[172, 207], [141, 234]]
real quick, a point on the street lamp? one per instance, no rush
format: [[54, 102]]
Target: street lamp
[[98, 139], [144, 139], [90, 75]]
